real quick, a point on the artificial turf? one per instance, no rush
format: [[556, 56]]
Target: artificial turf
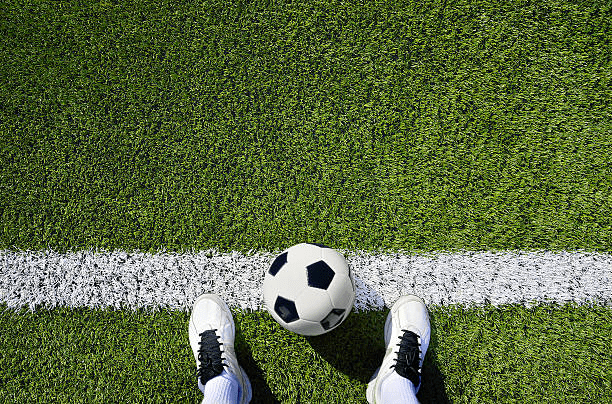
[[430, 125], [499, 355], [434, 125]]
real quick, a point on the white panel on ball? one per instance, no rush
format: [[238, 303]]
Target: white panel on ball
[[313, 304], [304, 253], [342, 293], [291, 280], [306, 327]]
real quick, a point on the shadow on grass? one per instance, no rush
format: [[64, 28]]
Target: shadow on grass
[[357, 348], [354, 347], [261, 392]]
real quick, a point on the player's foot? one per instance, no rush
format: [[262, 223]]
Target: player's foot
[[407, 334], [211, 336]]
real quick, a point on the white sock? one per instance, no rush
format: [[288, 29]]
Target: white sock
[[396, 389], [222, 389]]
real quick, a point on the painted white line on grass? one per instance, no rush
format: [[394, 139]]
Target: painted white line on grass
[[141, 280]]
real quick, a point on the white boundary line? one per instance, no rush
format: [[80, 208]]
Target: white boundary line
[[167, 280]]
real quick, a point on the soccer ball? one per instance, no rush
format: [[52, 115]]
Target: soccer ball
[[309, 289]]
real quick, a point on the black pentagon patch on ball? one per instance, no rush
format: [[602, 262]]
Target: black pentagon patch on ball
[[277, 264], [319, 245], [333, 319], [286, 309], [320, 275]]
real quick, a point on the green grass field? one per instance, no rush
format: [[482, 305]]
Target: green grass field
[[508, 354], [418, 126]]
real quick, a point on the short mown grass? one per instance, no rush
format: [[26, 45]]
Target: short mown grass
[[493, 355], [420, 125], [416, 125]]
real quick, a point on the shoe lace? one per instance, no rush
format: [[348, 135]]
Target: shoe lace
[[209, 355], [408, 359]]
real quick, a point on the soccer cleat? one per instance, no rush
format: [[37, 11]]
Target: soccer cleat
[[407, 334], [211, 326]]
